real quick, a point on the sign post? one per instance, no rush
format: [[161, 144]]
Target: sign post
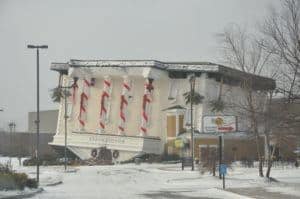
[[220, 155], [223, 172], [219, 124]]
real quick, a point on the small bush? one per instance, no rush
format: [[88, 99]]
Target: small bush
[[31, 183], [7, 182], [5, 168], [20, 180], [10, 180]]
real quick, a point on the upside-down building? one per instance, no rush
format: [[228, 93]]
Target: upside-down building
[[138, 106]]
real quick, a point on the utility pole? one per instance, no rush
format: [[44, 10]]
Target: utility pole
[[37, 47], [220, 155], [12, 128], [66, 118], [66, 94], [192, 89]]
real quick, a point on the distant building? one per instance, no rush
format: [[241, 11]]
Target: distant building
[[24, 143], [48, 121], [137, 106]]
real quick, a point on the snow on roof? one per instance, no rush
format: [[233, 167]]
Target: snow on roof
[[116, 63], [171, 67]]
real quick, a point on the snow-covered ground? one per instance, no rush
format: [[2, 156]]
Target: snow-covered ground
[[161, 181]]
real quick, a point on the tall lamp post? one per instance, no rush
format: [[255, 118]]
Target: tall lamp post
[[1, 109], [192, 84], [37, 47], [66, 94], [12, 128]]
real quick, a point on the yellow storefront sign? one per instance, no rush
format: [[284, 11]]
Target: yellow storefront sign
[[178, 143]]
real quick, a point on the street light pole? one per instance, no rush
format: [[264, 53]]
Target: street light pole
[[66, 121], [66, 118], [37, 115], [10, 125], [192, 84], [12, 128], [37, 47]]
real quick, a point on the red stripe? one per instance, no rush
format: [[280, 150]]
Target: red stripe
[[105, 94], [144, 129], [87, 82], [102, 125], [123, 101], [126, 86], [122, 116], [144, 102], [82, 109], [121, 128], [75, 85], [107, 83], [84, 96], [82, 122], [145, 116]]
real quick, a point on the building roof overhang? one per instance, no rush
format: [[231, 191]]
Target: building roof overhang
[[174, 69]]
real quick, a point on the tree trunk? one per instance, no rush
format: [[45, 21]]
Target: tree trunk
[[255, 130], [260, 160], [270, 162]]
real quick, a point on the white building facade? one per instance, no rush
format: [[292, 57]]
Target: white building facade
[[136, 106]]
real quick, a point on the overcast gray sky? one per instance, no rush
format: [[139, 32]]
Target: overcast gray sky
[[166, 30]]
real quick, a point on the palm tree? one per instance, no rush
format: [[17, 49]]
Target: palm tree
[[195, 97], [58, 92]]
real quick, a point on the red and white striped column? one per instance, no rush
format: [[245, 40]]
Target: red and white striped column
[[126, 87], [147, 99], [105, 103], [84, 102]]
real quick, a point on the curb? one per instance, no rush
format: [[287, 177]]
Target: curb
[[53, 184], [26, 195]]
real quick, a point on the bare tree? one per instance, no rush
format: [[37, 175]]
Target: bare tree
[[278, 127], [245, 52], [281, 38]]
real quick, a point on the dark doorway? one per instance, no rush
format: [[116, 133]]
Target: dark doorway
[[105, 156]]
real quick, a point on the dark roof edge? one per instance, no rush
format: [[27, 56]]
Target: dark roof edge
[[186, 67]]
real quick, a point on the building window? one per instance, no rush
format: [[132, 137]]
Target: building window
[[187, 118], [173, 91]]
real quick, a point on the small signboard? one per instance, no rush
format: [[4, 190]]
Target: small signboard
[[179, 143], [223, 169], [219, 124]]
